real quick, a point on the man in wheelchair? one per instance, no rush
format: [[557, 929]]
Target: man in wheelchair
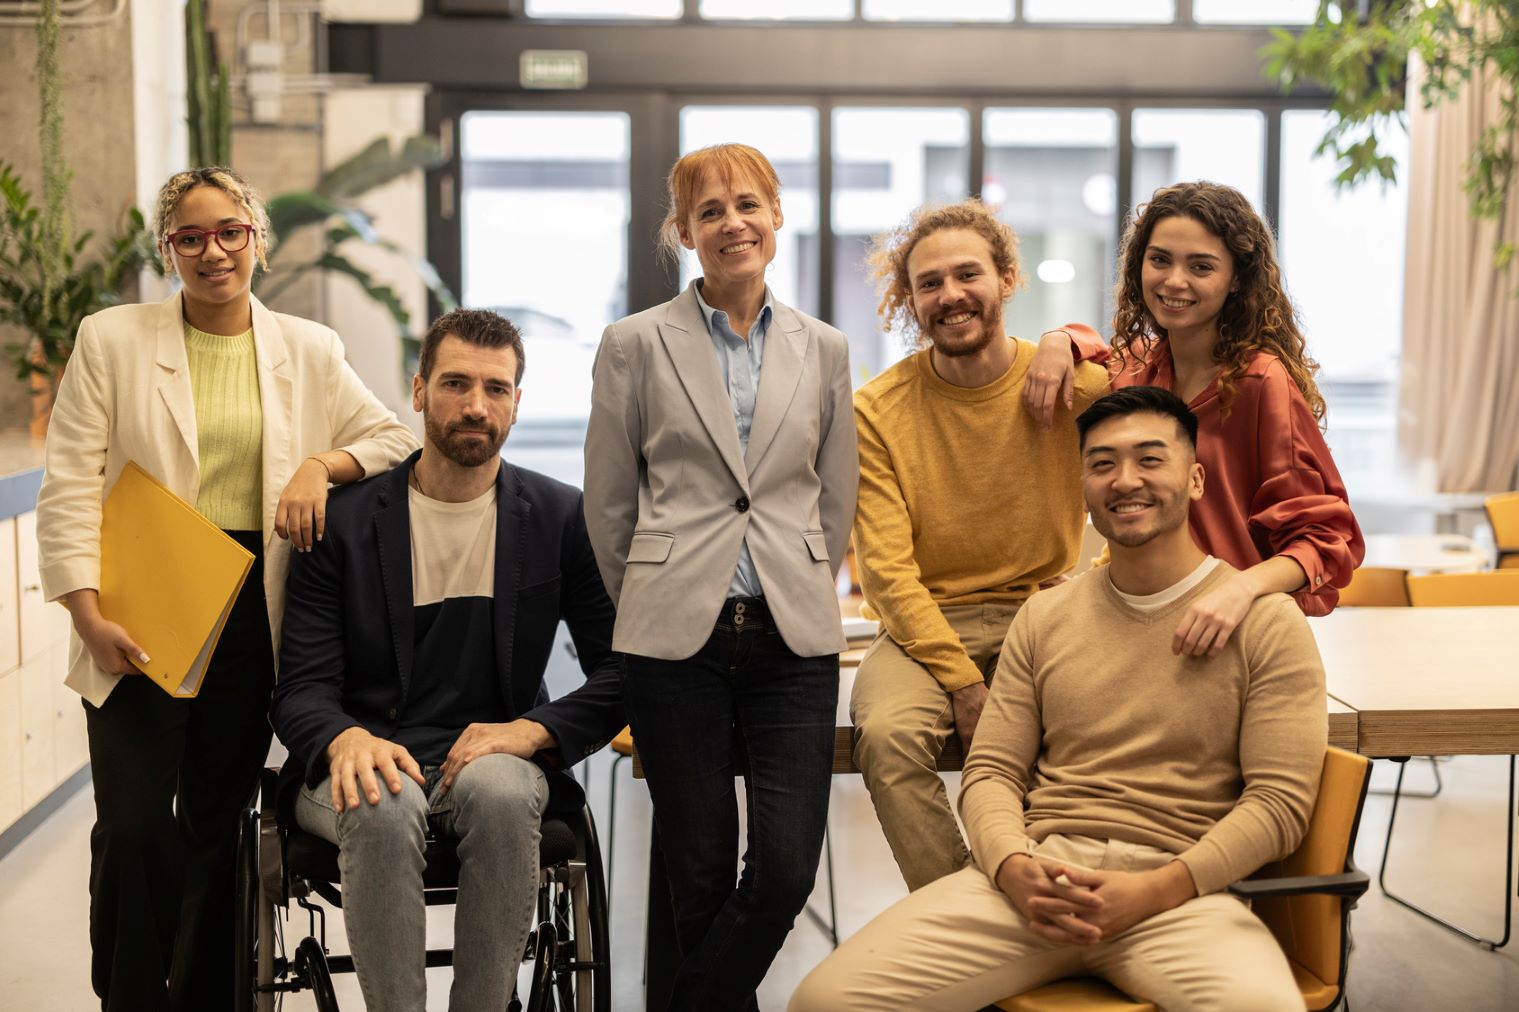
[[411, 691]]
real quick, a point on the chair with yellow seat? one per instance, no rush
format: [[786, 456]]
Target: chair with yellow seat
[[1305, 899], [1464, 590], [1503, 514], [1376, 587]]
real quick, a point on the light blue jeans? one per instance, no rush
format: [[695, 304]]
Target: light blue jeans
[[493, 810]]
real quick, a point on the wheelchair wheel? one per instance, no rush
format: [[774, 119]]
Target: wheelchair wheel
[[311, 964], [245, 930], [540, 997]]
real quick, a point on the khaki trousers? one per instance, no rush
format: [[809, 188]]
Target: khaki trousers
[[959, 943], [902, 719]]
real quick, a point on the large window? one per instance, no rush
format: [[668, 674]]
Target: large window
[[1255, 12], [603, 8], [1342, 253], [886, 162], [942, 10], [1051, 174], [1132, 11], [788, 136], [779, 10], [544, 212], [1181, 145]]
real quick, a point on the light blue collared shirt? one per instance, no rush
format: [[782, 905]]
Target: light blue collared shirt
[[740, 363]]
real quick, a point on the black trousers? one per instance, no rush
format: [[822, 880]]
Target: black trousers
[[170, 777]]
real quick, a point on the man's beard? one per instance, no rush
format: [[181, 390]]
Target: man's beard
[[991, 329], [1170, 513], [463, 451]]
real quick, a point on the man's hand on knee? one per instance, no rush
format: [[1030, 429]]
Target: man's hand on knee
[[1056, 909], [522, 738], [965, 705], [352, 759]]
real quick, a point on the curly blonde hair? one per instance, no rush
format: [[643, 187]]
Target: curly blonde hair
[[1256, 316], [728, 162], [890, 251], [230, 183]]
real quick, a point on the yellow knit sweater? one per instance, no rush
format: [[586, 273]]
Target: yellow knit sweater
[[229, 423], [963, 500]]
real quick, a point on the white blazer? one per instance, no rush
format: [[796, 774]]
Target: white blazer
[[670, 496], [126, 396]]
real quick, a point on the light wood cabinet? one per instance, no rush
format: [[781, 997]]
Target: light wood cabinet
[[71, 743], [42, 728], [39, 765], [37, 631], [11, 805], [10, 621]]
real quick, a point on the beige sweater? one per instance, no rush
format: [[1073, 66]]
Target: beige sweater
[[1102, 731], [963, 500]]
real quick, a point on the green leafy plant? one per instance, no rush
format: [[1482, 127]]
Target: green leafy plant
[[329, 212], [49, 281], [48, 291], [208, 92], [1363, 59]]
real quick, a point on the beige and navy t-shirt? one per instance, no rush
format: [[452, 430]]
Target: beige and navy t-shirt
[[454, 681]]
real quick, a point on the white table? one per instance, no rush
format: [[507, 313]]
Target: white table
[[1424, 553]]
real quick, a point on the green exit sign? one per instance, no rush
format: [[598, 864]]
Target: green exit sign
[[561, 69]]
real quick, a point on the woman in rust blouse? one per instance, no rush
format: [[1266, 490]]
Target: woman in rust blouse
[[1201, 310]]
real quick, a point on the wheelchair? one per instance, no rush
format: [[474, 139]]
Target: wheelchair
[[567, 949]]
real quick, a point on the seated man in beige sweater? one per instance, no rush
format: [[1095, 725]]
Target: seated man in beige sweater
[[1116, 787], [967, 503]]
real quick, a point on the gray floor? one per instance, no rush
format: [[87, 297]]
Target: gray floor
[[1449, 852]]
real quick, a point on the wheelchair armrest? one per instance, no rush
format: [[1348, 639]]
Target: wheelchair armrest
[[1351, 883]]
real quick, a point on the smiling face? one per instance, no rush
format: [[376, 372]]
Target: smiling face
[[1187, 274], [957, 291], [1139, 477], [468, 401], [215, 280], [732, 229]]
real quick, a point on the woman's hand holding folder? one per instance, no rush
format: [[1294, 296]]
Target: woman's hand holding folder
[[108, 643]]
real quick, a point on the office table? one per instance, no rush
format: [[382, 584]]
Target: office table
[[1425, 553], [1425, 681]]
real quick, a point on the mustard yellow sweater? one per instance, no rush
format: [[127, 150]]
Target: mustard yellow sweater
[[963, 500], [1101, 731], [229, 424]]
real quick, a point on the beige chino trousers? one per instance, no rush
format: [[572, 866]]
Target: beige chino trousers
[[902, 719], [960, 944]]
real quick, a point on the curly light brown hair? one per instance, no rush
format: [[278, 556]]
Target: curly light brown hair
[[230, 183], [1256, 316], [889, 252]]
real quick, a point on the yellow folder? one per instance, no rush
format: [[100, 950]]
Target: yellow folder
[[168, 576]]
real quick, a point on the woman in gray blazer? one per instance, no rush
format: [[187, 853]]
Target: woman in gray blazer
[[248, 415], [719, 493]]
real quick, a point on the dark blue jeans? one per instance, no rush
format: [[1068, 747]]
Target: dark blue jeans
[[744, 693]]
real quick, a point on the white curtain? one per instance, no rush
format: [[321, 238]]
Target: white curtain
[[1459, 392]]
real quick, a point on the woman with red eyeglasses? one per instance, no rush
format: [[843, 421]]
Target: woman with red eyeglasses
[[248, 415]]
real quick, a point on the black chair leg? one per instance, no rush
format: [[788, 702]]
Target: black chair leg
[[1508, 870], [1434, 767], [612, 820]]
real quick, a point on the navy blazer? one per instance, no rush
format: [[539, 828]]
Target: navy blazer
[[347, 648]]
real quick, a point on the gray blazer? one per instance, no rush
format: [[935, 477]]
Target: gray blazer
[[669, 497]]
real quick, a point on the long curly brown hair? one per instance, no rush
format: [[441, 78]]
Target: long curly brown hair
[[1257, 316], [889, 251]]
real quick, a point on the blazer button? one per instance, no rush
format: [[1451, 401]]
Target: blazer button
[[741, 504], [392, 713]]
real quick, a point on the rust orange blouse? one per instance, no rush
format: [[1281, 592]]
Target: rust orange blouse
[[1271, 487]]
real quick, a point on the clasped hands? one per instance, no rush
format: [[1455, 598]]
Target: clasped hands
[[1070, 905], [355, 756]]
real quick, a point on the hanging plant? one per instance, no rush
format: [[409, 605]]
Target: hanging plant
[[1361, 56]]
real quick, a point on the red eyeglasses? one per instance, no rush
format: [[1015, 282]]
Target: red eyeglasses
[[191, 242]]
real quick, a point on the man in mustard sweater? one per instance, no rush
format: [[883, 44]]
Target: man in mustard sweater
[[1116, 786], [967, 503]]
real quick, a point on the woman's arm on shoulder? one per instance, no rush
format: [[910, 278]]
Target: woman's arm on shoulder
[[365, 429]]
